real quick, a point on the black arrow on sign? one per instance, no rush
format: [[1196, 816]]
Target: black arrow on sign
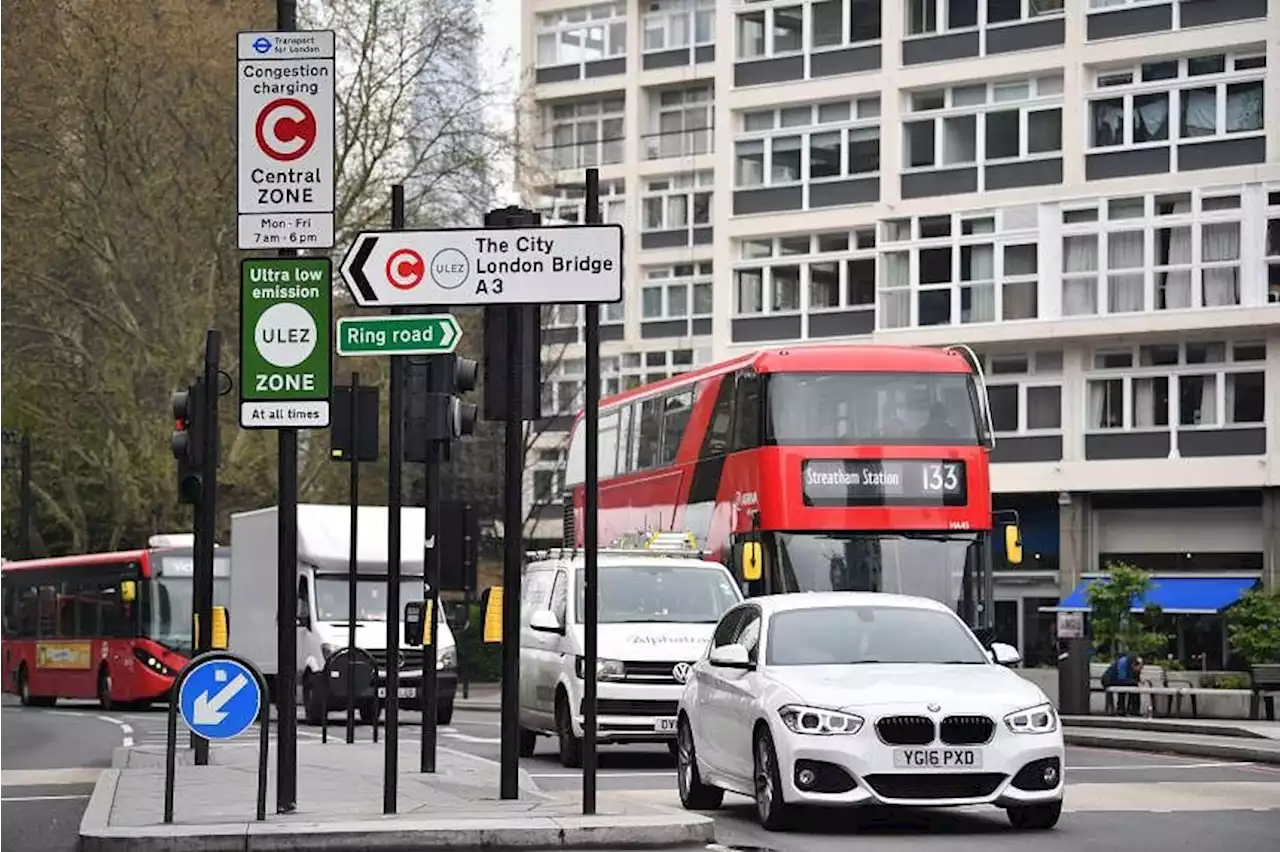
[[357, 268]]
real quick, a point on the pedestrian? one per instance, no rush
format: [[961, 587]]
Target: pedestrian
[[1125, 670]]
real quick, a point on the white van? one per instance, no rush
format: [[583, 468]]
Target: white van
[[657, 613]]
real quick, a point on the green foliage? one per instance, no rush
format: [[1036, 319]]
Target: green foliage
[[1253, 625], [1116, 628], [1234, 680], [483, 661]]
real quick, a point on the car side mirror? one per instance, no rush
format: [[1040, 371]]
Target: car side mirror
[[304, 614], [1005, 655], [730, 657], [545, 621]]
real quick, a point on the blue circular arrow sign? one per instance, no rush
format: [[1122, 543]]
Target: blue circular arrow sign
[[219, 699]]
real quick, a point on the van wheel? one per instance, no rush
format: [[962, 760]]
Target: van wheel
[[570, 746], [368, 710], [311, 701], [528, 742], [104, 689], [444, 712]]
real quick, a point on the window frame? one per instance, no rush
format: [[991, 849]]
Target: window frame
[[854, 252], [560, 22], [691, 11], [770, 28], [604, 150], [686, 185], [1040, 371], [700, 276]]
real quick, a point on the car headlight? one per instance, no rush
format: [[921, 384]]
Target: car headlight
[[605, 669], [1041, 719], [448, 659], [816, 720]]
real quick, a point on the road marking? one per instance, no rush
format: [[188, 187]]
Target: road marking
[[51, 777], [606, 774], [468, 738], [40, 798], [1148, 767]]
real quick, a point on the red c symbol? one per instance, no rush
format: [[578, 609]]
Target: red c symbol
[[286, 129], [405, 269]]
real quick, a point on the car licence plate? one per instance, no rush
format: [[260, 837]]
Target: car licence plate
[[664, 726], [937, 758], [403, 692]]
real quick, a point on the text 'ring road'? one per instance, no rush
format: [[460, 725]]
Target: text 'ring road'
[[405, 269], [286, 129]]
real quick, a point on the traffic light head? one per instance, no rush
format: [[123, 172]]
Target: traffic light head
[[462, 414], [187, 442]]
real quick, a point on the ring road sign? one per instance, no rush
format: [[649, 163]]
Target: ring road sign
[[219, 699], [402, 334], [286, 358], [486, 266], [285, 101]]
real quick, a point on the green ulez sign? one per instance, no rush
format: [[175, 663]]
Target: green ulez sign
[[286, 347], [401, 334]]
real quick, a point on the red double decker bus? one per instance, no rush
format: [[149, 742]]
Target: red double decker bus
[[112, 626], [851, 467]]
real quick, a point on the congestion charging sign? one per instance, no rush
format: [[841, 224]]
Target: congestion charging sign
[[285, 106]]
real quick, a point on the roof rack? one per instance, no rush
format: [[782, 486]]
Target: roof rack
[[575, 552]]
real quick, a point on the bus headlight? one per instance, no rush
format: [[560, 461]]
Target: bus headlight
[[150, 661]]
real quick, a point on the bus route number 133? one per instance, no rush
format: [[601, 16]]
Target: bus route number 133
[[940, 478]]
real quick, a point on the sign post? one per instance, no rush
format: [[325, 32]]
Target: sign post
[[286, 357], [285, 103]]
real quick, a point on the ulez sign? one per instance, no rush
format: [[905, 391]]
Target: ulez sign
[[418, 334], [286, 352]]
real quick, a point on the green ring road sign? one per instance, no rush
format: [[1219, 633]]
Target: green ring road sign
[[401, 334], [286, 353]]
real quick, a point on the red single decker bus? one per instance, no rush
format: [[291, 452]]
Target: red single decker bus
[[112, 626], [810, 469]]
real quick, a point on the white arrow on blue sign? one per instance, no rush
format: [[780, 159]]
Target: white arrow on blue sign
[[219, 699]]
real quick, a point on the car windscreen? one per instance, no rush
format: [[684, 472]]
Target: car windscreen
[[845, 635], [661, 593]]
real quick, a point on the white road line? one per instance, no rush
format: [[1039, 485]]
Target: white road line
[[126, 728], [605, 774], [1159, 766], [467, 738], [49, 777], [40, 798]]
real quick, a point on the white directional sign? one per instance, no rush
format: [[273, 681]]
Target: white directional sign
[[285, 100], [486, 266]]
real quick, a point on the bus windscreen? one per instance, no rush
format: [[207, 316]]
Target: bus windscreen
[[923, 409]]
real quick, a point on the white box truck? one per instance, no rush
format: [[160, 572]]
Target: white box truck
[[324, 533]]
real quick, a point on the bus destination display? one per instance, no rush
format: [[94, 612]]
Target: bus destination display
[[884, 482]]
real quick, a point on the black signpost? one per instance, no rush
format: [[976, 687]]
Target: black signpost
[[591, 573], [395, 451]]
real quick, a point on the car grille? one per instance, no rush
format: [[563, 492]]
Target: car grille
[[905, 730], [650, 672], [410, 659], [967, 730], [634, 707], [971, 785]]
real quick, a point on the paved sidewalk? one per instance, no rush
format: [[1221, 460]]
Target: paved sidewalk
[[340, 808], [1237, 748], [481, 696], [1236, 728]]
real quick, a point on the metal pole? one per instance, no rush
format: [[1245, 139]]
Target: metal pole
[[512, 522], [351, 559], [589, 517], [395, 455], [436, 367], [24, 498], [287, 571], [208, 510]]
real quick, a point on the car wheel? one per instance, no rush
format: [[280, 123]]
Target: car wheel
[[1040, 817], [528, 742], [104, 689], [444, 712], [771, 808], [570, 746], [694, 795]]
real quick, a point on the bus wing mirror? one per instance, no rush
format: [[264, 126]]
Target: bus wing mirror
[[752, 561], [1013, 544], [491, 605], [128, 591]]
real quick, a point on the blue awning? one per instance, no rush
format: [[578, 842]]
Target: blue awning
[[1174, 595]]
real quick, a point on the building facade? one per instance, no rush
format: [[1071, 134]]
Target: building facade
[[1087, 192]]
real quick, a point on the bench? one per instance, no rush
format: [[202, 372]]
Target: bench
[[1266, 686], [1154, 681]]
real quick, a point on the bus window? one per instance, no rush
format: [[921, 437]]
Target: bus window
[[624, 439], [607, 446], [649, 435], [747, 412], [48, 608], [675, 418], [716, 442]]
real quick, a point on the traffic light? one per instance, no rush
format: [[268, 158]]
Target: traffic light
[[462, 414], [188, 441]]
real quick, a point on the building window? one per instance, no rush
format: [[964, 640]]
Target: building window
[[1273, 245], [842, 23], [586, 133], [1008, 11], [685, 119], [1166, 251], [673, 24], [567, 203], [834, 271], [633, 369], [676, 292], [984, 123], [1184, 385], [1215, 96], [771, 32], [676, 202], [1025, 392], [926, 17], [808, 142], [582, 34], [959, 268]]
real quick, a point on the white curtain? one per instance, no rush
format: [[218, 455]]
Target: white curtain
[[895, 292], [1173, 248], [1125, 292], [1221, 242], [1244, 107], [1198, 400], [1080, 295], [1097, 405], [1144, 397], [1229, 398], [982, 297], [1108, 123], [1151, 118], [1199, 112]]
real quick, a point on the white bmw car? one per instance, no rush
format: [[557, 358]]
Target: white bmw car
[[852, 698]]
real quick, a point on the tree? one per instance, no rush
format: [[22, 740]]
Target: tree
[[1254, 627], [1116, 627], [118, 195]]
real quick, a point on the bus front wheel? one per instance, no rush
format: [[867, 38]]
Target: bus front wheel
[[104, 688]]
